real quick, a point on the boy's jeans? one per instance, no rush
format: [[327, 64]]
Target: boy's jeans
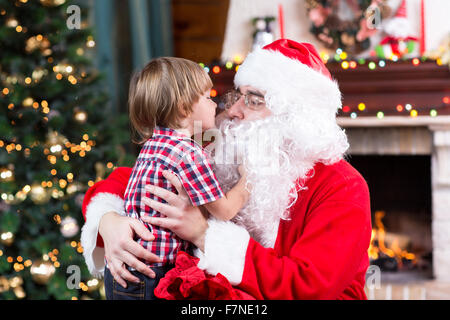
[[143, 290]]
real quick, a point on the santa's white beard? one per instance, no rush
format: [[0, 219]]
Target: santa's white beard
[[279, 154], [272, 173]]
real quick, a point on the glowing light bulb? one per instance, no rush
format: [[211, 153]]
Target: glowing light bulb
[[237, 59]]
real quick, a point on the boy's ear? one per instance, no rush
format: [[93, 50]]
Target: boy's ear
[[183, 110]]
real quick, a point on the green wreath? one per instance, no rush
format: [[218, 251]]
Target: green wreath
[[351, 35]]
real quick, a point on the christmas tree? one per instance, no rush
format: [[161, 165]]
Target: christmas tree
[[57, 137]]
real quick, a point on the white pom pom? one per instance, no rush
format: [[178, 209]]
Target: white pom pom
[[397, 27]]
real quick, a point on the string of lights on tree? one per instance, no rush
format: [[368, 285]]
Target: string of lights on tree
[[57, 138], [349, 63]]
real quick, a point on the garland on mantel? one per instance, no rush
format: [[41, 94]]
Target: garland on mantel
[[353, 112]]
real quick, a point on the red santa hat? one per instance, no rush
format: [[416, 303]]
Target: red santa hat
[[291, 72], [401, 11]]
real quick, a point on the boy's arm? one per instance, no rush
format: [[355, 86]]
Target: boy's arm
[[227, 207]]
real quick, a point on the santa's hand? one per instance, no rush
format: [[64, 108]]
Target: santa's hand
[[121, 250], [183, 219], [242, 171]]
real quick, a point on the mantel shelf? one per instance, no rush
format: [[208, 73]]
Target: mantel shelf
[[395, 121], [425, 87]]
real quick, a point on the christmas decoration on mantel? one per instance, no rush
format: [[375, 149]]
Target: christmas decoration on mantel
[[397, 51], [398, 41], [349, 25], [57, 137], [349, 29]]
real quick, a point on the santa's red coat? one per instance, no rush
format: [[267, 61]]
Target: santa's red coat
[[320, 253]]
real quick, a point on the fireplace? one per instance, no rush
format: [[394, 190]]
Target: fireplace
[[400, 141], [382, 133], [400, 196], [406, 163]]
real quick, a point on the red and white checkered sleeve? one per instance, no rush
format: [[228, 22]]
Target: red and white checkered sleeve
[[198, 178]]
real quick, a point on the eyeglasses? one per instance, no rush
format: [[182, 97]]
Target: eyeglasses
[[251, 100]]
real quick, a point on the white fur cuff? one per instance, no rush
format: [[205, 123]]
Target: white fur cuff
[[225, 250], [100, 204]]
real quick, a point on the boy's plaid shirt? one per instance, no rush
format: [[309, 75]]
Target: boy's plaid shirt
[[176, 152]]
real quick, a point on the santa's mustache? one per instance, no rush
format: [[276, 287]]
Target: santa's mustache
[[245, 142]]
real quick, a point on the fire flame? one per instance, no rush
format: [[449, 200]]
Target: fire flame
[[394, 251]]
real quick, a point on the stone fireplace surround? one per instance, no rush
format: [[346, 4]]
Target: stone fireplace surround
[[423, 135]]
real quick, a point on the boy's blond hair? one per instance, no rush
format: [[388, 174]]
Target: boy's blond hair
[[163, 93]]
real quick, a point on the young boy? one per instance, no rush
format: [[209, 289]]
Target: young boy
[[165, 100]]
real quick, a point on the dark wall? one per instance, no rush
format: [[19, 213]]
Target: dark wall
[[401, 183], [199, 28]]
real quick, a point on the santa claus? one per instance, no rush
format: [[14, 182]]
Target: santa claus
[[306, 230]]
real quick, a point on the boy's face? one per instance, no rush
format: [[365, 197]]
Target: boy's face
[[205, 111]]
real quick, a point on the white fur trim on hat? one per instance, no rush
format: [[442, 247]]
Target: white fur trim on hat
[[289, 81], [397, 27], [100, 204], [225, 249]]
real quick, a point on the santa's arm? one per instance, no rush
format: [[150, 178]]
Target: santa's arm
[[324, 260], [103, 197]]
